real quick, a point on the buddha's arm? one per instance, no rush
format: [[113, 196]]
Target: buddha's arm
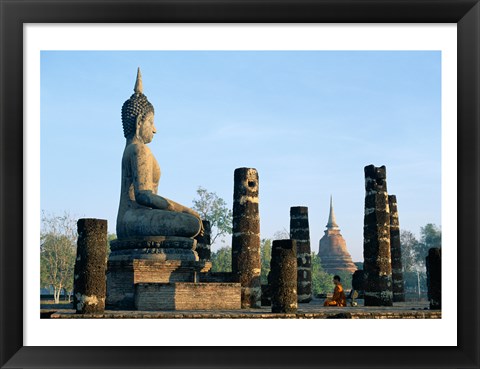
[[142, 167], [174, 206], [148, 198]]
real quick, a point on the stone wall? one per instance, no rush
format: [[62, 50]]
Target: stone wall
[[122, 276], [187, 296]]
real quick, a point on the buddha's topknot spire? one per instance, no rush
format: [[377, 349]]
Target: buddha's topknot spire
[[135, 106], [138, 83]]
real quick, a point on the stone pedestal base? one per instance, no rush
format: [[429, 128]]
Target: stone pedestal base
[[150, 261], [187, 296], [158, 248]]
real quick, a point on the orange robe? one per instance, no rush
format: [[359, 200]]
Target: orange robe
[[338, 298]]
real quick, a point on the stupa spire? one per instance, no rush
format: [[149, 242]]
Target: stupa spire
[[333, 252], [138, 83], [332, 222]]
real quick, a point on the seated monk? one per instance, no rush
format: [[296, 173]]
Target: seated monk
[[142, 213], [338, 298]]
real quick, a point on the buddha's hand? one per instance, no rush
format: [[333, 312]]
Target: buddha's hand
[[202, 229]]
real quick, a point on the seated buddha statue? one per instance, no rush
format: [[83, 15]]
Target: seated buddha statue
[[142, 213]]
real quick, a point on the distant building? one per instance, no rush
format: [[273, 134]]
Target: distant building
[[332, 250]]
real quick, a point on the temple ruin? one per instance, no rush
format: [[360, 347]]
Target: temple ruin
[[333, 252], [246, 262], [434, 277], [153, 264], [161, 260], [90, 266], [300, 232], [396, 251], [283, 276], [377, 264]]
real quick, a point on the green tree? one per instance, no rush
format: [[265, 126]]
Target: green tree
[[57, 252], [430, 236], [322, 282], [222, 260], [410, 246], [215, 210], [281, 235], [266, 255], [359, 264], [414, 253], [68, 288]]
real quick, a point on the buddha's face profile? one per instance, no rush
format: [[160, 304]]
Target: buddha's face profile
[[146, 128]]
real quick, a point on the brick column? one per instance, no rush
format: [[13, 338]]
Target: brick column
[[204, 242], [376, 239], [283, 269], [246, 263], [300, 232], [434, 277], [396, 251], [90, 266]]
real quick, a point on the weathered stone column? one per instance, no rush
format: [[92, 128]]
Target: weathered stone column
[[246, 263], [358, 280], [203, 242], [396, 251], [434, 277], [300, 232], [90, 266], [283, 269], [376, 239]]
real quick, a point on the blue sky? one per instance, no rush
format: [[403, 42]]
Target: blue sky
[[308, 121]]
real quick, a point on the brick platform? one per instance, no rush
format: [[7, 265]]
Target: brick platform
[[187, 296], [122, 276]]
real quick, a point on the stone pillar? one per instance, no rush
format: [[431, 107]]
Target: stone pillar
[[283, 269], [376, 239], [300, 232], [434, 277], [396, 251], [358, 280], [266, 298], [246, 262], [203, 242], [90, 266]]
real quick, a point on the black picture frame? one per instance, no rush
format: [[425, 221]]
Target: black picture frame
[[14, 14]]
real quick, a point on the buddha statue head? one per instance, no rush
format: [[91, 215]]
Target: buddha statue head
[[136, 110]]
